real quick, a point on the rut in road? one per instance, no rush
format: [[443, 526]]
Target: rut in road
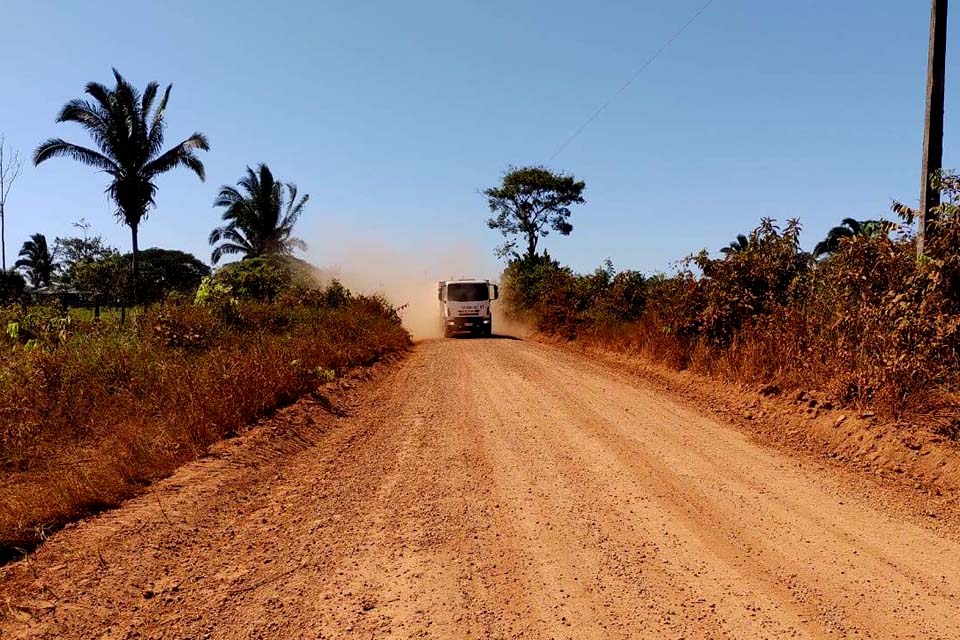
[[496, 489]]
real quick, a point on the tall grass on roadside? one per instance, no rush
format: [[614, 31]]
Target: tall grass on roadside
[[89, 411]]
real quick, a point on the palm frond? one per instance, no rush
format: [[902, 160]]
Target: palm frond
[[227, 249], [92, 118], [822, 248], [294, 208], [228, 196], [853, 224], [85, 113], [155, 135], [149, 95], [842, 232], [295, 243], [294, 211], [101, 93], [55, 147], [234, 236], [180, 155]]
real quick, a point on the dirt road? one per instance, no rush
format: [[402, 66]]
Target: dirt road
[[493, 489]]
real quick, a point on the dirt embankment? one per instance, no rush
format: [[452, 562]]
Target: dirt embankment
[[899, 455], [496, 489]]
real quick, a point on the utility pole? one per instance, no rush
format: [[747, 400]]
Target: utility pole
[[933, 121]]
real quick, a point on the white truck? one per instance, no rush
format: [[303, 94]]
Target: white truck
[[465, 306]]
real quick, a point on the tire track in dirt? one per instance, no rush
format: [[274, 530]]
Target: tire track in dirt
[[710, 493], [633, 530]]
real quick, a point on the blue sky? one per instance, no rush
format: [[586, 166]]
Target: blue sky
[[393, 115]]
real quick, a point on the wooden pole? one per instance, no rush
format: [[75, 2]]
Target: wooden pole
[[933, 121]]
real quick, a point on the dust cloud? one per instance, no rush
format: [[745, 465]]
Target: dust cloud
[[406, 276]]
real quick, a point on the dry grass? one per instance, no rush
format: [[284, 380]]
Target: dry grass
[[89, 413], [870, 326]]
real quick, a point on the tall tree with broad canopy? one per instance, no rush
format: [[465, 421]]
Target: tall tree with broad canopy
[[38, 261], [164, 271], [260, 217], [127, 128], [530, 202], [169, 271]]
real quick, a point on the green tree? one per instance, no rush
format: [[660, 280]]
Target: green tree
[[76, 253], [850, 228], [525, 281], [78, 249], [127, 128], [12, 286], [37, 261], [107, 276], [530, 202], [260, 278], [163, 271], [260, 217], [166, 271], [75, 250]]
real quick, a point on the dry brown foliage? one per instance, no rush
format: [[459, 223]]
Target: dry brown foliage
[[91, 411], [871, 325]]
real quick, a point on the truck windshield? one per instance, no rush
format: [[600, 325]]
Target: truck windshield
[[468, 292]]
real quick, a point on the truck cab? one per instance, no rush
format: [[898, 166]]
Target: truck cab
[[465, 306]]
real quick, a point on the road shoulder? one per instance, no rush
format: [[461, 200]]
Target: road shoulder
[[905, 467]]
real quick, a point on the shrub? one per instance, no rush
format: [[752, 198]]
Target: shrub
[[525, 280], [140, 399], [182, 327], [869, 324], [254, 278], [741, 287], [12, 286]]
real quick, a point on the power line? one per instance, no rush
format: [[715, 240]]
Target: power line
[[629, 81]]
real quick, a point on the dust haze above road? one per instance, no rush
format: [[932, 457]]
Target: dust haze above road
[[492, 489]]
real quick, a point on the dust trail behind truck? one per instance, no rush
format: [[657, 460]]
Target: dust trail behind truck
[[465, 306]]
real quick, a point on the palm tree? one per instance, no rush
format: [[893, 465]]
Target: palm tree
[[850, 228], [260, 217], [740, 245], [36, 259], [128, 133]]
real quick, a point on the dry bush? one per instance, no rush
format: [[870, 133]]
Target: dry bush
[[88, 413], [870, 325]]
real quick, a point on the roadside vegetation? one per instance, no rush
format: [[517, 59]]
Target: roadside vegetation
[[863, 318], [115, 368], [92, 410]]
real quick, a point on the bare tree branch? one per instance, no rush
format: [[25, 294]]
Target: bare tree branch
[[11, 164]]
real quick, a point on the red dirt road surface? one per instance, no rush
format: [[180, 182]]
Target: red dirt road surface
[[492, 489]]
